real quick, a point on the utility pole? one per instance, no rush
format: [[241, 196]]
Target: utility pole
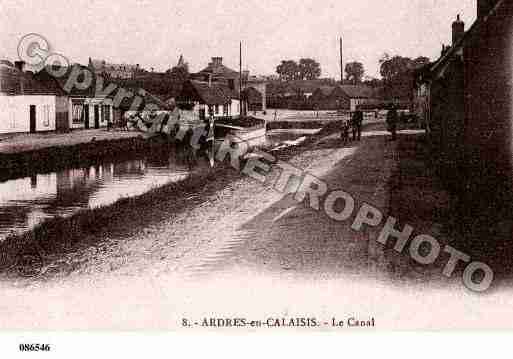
[[240, 79], [341, 63]]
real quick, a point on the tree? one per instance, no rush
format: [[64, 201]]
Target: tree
[[288, 70], [309, 69], [397, 73], [392, 67], [354, 72], [179, 74]]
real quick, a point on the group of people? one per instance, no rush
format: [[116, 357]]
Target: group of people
[[354, 125]]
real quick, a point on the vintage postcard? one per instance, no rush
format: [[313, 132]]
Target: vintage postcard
[[258, 166]]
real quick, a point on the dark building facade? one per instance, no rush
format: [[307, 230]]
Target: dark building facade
[[488, 94], [470, 123]]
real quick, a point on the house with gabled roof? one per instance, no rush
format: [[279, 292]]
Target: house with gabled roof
[[209, 98], [216, 71], [470, 104], [30, 102], [345, 97]]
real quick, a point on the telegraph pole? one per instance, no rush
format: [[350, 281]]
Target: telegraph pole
[[341, 63], [240, 79]]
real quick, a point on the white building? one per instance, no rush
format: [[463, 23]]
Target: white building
[[30, 103]]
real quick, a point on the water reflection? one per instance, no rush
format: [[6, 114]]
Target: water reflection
[[26, 202]]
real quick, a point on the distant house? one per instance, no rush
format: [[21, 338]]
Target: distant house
[[119, 71], [205, 98], [345, 97], [30, 102], [293, 94], [216, 71], [320, 99], [352, 96], [306, 88]]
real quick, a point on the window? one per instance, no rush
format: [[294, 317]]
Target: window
[[77, 113], [226, 108], [46, 115], [217, 109], [106, 113]]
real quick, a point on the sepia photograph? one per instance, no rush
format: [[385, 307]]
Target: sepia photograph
[[256, 167]]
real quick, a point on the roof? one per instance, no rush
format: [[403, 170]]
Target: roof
[[219, 70], [461, 44], [326, 91], [357, 91], [230, 93], [6, 63], [307, 86], [16, 82], [74, 91], [277, 88], [147, 99], [213, 94]]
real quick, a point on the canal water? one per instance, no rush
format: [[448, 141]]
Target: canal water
[[28, 201]]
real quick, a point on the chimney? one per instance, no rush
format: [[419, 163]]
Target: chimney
[[20, 65], [484, 7], [458, 30], [217, 61]]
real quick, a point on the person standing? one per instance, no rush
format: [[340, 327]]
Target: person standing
[[392, 118], [357, 121]]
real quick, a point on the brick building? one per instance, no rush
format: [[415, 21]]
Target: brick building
[[470, 107]]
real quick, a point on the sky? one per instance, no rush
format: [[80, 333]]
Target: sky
[[155, 33]]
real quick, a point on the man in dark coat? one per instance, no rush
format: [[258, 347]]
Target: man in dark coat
[[356, 124]]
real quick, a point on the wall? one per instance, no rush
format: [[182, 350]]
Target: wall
[[62, 117], [15, 113], [488, 93], [235, 110], [447, 122]]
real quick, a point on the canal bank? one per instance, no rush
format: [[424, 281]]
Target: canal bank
[[24, 154], [86, 228]]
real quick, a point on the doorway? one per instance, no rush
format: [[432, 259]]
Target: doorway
[[86, 116], [96, 116], [32, 118]]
